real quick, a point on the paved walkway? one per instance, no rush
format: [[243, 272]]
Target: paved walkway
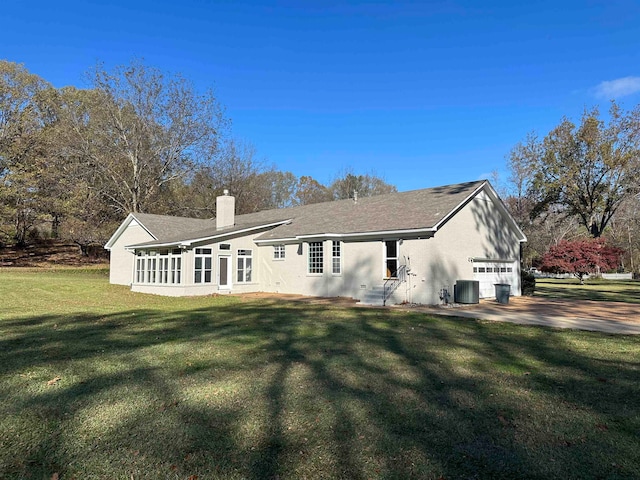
[[608, 317]]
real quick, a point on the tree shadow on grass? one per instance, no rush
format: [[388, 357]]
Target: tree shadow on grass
[[282, 390], [589, 292]]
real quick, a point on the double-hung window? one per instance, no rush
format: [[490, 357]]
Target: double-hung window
[[316, 258], [278, 252], [336, 257], [245, 265], [203, 265]]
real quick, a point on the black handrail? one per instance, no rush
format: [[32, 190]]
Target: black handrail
[[393, 282]]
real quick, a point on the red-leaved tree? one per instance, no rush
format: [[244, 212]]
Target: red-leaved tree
[[581, 257]]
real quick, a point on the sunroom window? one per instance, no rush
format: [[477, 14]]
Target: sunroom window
[[163, 266]]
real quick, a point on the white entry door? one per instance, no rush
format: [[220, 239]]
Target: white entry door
[[488, 273], [224, 272]]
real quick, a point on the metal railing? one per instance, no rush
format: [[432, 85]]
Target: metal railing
[[391, 284]]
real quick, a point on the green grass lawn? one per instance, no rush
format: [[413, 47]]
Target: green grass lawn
[[602, 290], [99, 382]]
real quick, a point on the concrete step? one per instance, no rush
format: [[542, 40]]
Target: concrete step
[[373, 296]]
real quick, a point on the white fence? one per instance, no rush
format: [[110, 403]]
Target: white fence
[[617, 276], [605, 276]]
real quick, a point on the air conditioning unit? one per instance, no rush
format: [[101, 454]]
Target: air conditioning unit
[[466, 291]]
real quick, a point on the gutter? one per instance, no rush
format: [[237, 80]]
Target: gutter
[[188, 243], [376, 234]]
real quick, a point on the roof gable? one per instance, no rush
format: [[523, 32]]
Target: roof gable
[[159, 226]]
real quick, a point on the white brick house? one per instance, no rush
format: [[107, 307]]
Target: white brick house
[[417, 243]]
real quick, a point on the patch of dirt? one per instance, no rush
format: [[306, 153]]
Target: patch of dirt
[[344, 301], [596, 310], [550, 308], [50, 255]]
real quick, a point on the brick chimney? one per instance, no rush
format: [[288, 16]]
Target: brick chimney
[[225, 210]]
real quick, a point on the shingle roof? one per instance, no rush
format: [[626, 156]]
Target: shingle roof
[[164, 226], [416, 209], [412, 210]]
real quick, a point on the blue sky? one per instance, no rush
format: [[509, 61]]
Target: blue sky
[[420, 93]]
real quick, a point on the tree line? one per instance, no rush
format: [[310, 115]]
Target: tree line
[[74, 162], [579, 182]]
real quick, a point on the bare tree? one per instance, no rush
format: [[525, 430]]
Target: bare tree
[[140, 130]]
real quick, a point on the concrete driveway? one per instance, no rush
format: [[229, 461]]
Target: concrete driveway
[[608, 317]]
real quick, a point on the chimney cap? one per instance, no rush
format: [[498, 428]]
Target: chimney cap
[[225, 192]]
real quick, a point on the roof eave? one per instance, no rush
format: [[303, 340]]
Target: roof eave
[[353, 235], [189, 242]]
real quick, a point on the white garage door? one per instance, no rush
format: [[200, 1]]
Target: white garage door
[[488, 273]]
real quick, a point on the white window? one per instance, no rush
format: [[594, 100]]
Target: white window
[[152, 264], [316, 257], [140, 267], [245, 265], [391, 258], [203, 265], [176, 269], [336, 258], [278, 252], [162, 266], [163, 270]]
